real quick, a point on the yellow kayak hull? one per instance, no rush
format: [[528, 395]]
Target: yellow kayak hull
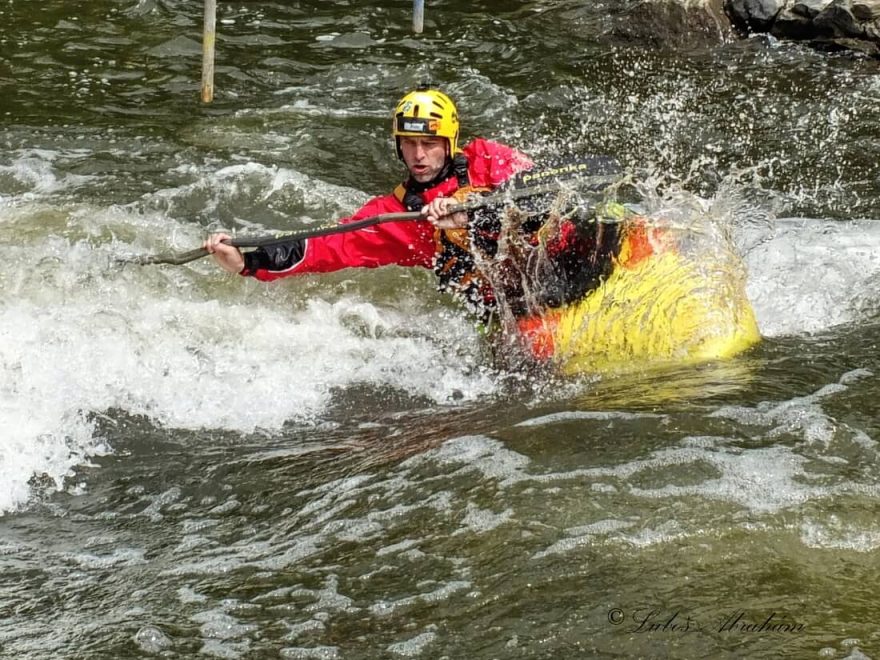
[[666, 309]]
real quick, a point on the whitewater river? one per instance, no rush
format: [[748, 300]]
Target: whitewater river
[[193, 464]]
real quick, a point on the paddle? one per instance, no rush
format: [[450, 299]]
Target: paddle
[[553, 177]]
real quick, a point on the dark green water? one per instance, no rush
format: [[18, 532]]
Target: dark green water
[[195, 465]]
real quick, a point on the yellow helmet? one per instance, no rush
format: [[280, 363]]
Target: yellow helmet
[[426, 112]]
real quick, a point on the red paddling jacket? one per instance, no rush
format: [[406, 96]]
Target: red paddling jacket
[[481, 164]]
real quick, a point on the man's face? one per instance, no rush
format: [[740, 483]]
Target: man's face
[[424, 156]]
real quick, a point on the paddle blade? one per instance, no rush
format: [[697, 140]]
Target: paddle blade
[[177, 259], [594, 171]]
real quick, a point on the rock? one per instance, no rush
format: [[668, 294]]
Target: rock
[[809, 8], [837, 21], [675, 23], [756, 15], [826, 24], [866, 10], [791, 24]]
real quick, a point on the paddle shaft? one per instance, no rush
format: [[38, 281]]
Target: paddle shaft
[[266, 241]]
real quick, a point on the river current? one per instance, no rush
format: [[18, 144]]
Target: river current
[[194, 464]]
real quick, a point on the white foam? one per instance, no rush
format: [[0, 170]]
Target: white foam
[[296, 630], [762, 480], [486, 455], [397, 547], [814, 274], [190, 348], [443, 592], [583, 535], [834, 534], [480, 521], [32, 173], [120, 557], [413, 647], [577, 415], [328, 599], [310, 653], [216, 624], [801, 417], [187, 596], [254, 186]]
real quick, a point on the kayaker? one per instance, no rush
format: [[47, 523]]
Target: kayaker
[[563, 263], [426, 134]]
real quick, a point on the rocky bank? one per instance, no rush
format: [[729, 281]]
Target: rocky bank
[[827, 24]]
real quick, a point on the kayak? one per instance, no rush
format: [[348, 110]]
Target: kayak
[[657, 306]]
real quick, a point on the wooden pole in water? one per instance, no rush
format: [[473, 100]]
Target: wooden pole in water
[[208, 37], [418, 16]]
